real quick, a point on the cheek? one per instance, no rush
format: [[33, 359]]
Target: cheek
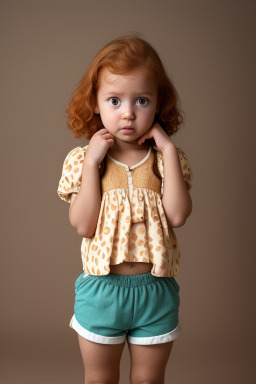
[[151, 115], [107, 116]]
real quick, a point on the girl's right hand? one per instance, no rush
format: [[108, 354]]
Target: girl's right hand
[[98, 146]]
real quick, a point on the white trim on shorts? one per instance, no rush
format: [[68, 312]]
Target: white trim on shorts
[[165, 338], [93, 336], [121, 339]]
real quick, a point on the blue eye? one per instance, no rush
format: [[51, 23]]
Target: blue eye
[[142, 101], [114, 101]]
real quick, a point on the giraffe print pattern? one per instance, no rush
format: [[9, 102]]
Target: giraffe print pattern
[[132, 228]]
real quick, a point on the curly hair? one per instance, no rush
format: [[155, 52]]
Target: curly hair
[[121, 56]]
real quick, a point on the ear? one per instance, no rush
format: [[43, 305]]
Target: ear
[[96, 110]]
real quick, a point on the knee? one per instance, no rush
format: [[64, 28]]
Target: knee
[[147, 382], [103, 381]]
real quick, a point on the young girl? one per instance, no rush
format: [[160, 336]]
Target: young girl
[[127, 189]]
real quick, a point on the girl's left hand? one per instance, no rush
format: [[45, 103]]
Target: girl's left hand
[[161, 138]]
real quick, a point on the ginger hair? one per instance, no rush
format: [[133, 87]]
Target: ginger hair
[[121, 56]]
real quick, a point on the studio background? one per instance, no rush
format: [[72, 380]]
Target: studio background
[[208, 49]]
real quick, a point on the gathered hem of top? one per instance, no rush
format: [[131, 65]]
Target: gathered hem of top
[[117, 274]]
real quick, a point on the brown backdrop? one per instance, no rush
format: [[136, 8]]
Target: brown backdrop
[[208, 50]]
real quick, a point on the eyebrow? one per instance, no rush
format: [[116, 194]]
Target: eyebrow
[[146, 93]]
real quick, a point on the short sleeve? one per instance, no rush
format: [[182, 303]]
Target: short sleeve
[[186, 170], [71, 176]]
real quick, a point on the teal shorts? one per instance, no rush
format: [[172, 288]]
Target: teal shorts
[[144, 308]]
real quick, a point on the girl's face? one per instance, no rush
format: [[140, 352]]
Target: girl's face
[[127, 103]]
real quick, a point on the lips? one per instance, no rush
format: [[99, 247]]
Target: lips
[[128, 130]]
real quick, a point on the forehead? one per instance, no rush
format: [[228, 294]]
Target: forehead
[[138, 78]]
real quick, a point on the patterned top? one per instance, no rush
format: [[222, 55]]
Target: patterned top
[[132, 225]]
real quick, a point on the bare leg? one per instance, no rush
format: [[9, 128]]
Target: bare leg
[[101, 361], [148, 362]]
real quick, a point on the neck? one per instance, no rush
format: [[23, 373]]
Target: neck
[[124, 146]]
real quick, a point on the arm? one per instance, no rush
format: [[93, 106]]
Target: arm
[[85, 205], [79, 184], [176, 199]]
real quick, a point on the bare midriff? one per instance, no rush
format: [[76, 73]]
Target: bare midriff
[[130, 268]]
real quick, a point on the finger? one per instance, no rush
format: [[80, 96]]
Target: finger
[[110, 142], [101, 131], [143, 138], [104, 130], [155, 125], [108, 135]]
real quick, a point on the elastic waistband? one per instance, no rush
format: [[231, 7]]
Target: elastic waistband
[[129, 280]]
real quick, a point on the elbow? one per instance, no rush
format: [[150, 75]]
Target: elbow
[[82, 231], [88, 233], [85, 233], [177, 222], [181, 219]]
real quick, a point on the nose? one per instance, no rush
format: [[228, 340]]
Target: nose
[[128, 113]]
